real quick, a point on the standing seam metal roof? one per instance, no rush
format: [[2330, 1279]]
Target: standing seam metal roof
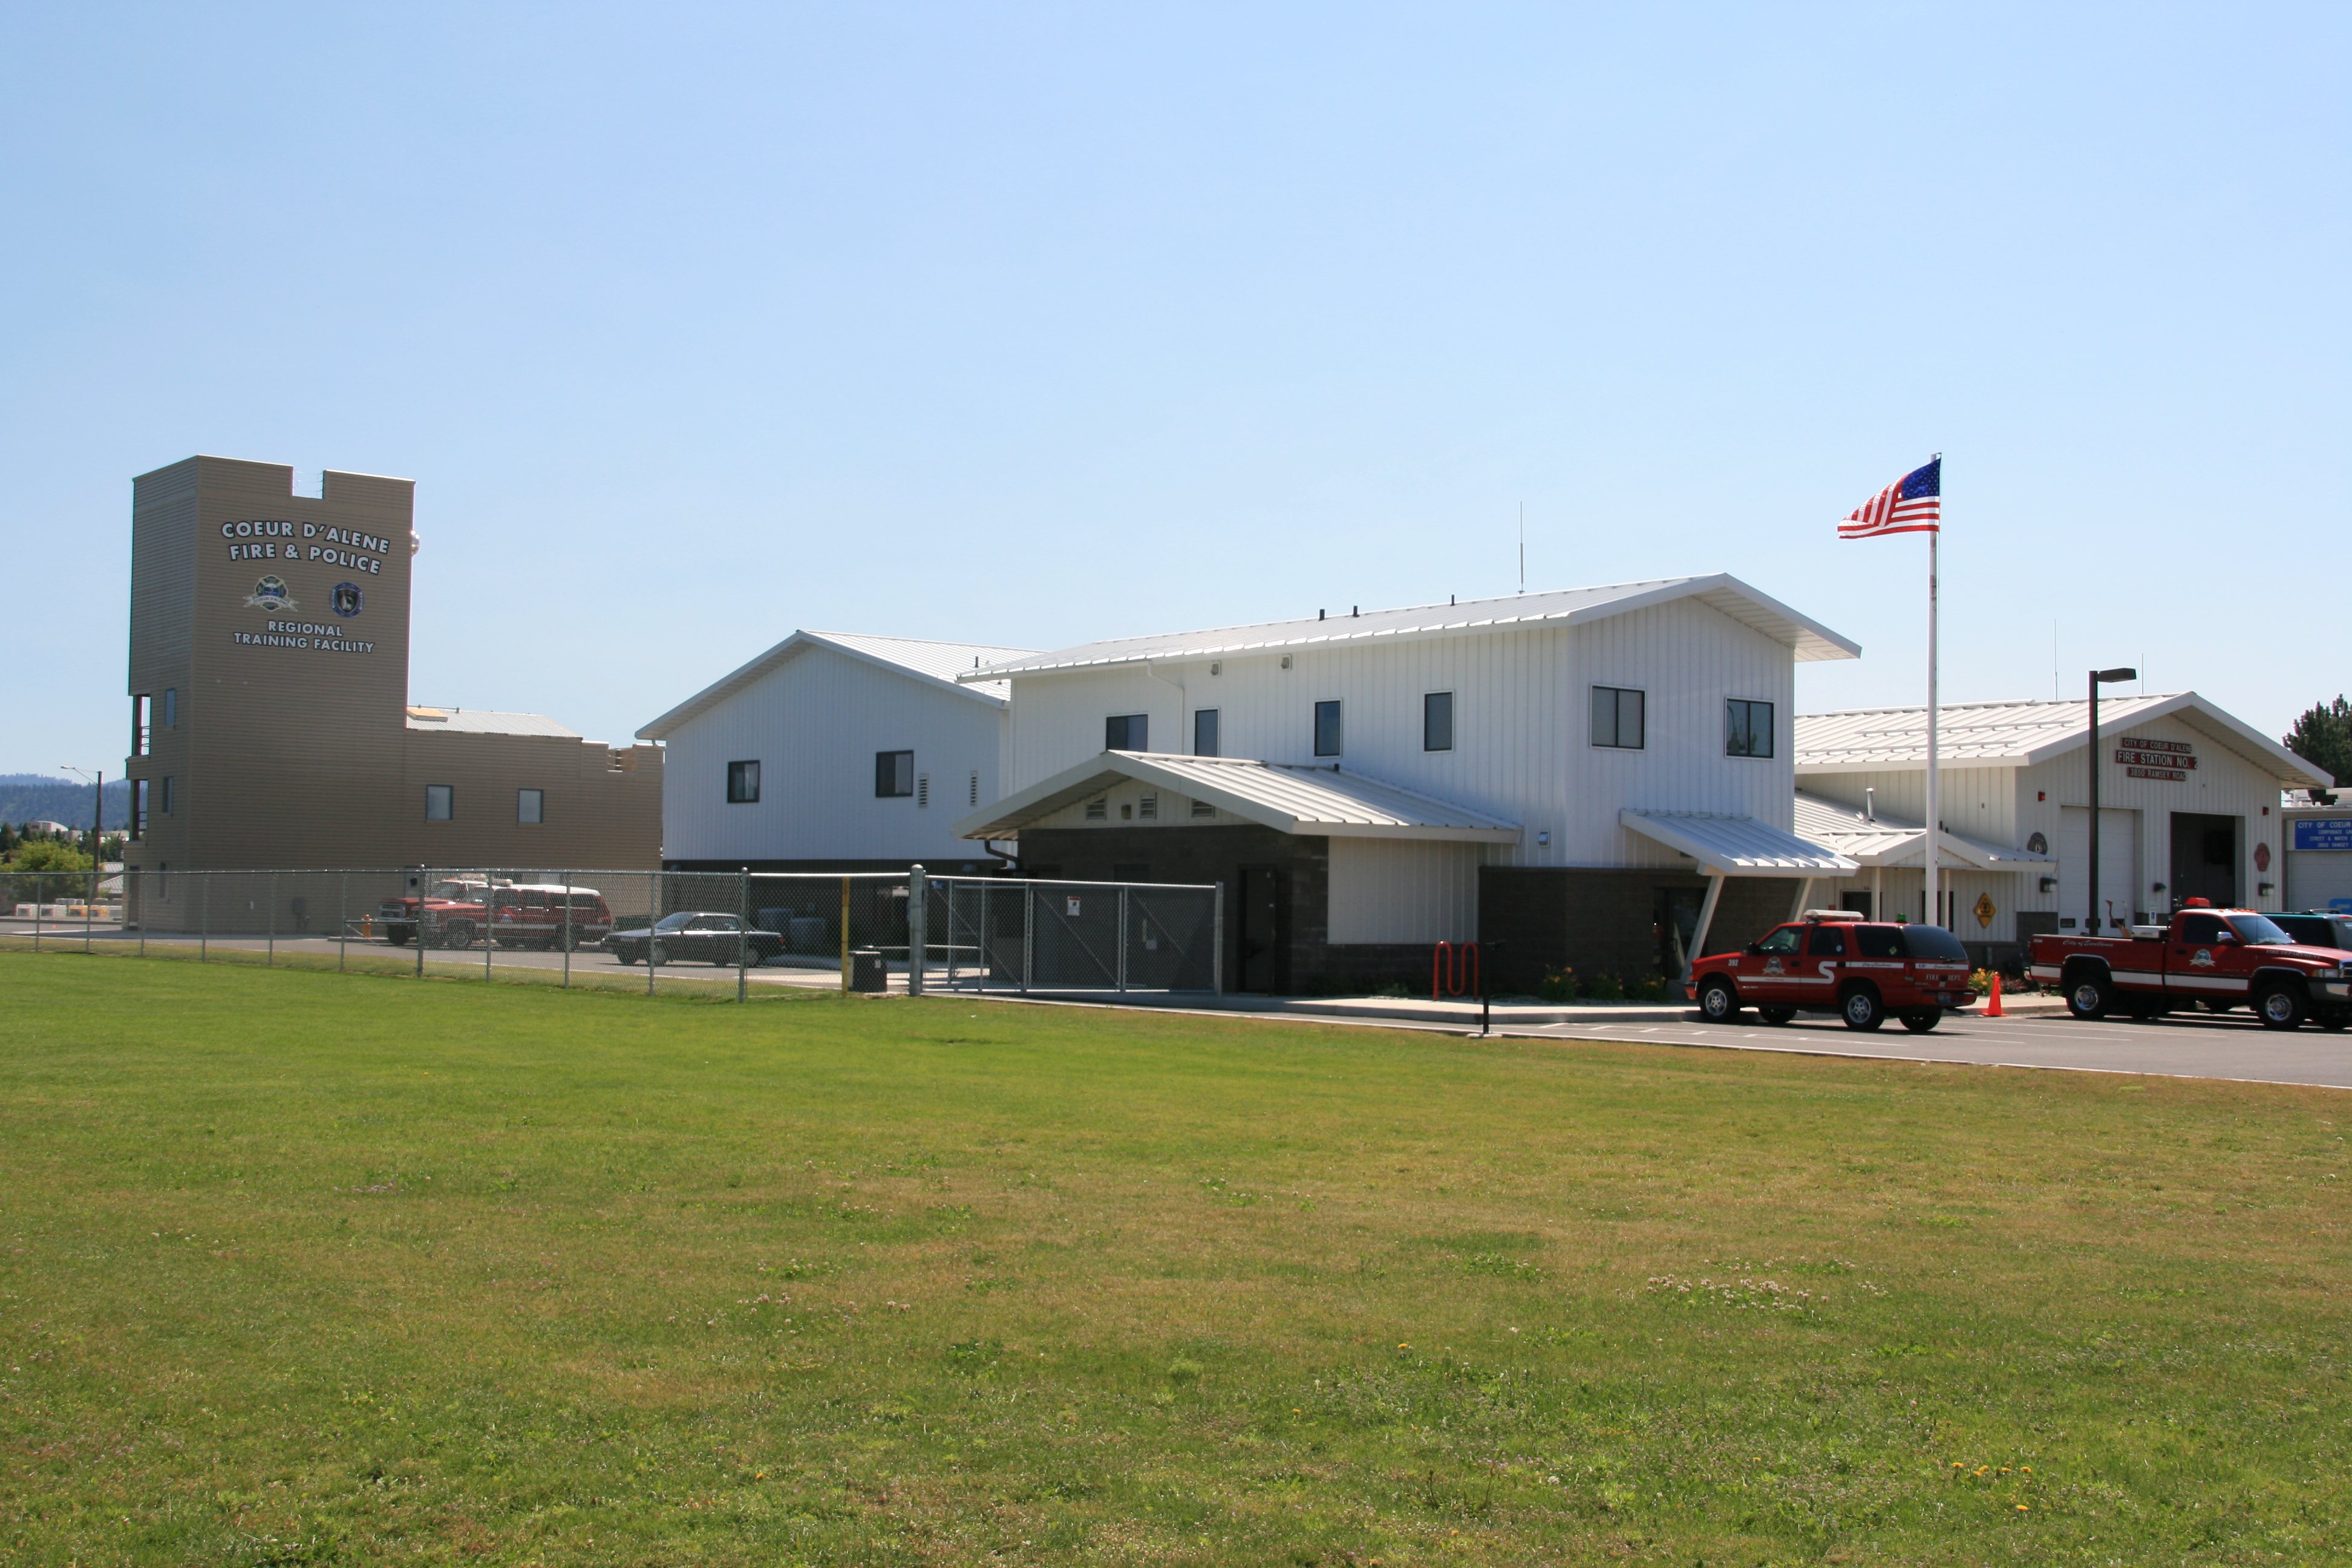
[[2019, 734]]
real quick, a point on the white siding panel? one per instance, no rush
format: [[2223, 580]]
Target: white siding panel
[[813, 724], [1404, 891]]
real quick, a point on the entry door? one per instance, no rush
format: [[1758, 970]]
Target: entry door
[[1675, 912], [2119, 879], [1259, 939], [2205, 858]]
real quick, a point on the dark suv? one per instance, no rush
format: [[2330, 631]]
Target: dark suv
[[2317, 928]]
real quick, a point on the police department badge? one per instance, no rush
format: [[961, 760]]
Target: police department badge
[[271, 594], [346, 599]]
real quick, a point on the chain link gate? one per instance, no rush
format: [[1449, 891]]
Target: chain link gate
[[994, 933]]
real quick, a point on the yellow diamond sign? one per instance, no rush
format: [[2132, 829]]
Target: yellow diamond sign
[[1984, 909]]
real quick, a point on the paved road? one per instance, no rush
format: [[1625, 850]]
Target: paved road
[[2232, 1045]]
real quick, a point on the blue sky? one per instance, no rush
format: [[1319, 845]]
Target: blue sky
[[1032, 324]]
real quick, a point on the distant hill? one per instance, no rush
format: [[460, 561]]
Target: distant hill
[[29, 798]]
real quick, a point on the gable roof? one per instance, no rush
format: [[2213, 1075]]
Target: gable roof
[[1282, 796], [1885, 841], [2021, 734], [1726, 845], [937, 663], [1571, 607]]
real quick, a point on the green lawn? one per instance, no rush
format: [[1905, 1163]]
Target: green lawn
[[309, 1267]]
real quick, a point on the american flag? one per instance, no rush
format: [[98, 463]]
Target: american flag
[[1912, 504]]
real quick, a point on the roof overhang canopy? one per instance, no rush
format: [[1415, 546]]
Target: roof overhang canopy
[[1883, 843], [1300, 800], [1727, 846]]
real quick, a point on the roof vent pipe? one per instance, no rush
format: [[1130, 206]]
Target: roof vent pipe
[[1319, 614], [1869, 803], [1356, 610]]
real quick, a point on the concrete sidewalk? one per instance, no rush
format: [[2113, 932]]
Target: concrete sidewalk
[[1514, 1014]]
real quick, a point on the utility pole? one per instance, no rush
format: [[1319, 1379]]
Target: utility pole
[[2099, 678]]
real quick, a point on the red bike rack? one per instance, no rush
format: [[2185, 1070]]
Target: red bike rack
[[1454, 970]]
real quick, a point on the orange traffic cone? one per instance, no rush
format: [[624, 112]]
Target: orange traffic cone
[[1992, 1005]]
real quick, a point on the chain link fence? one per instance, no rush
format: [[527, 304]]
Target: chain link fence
[[867, 931]]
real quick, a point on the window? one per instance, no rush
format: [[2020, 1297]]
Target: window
[[143, 717], [1878, 941], [923, 791], [170, 708], [440, 803], [1829, 941], [1203, 809], [166, 805], [1620, 718], [530, 806], [1205, 733], [1148, 808], [1933, 943], [894, 773], [1326, 730], [1781, 941], [1437, 721], [2202, 929], [138, 808], [1746, 729], [1097, 811], [742, 784], [1126, 733]]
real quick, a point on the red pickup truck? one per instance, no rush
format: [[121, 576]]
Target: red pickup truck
[[2206, 957], [1833, 961]]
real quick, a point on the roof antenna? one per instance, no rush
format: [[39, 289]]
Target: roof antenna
[[1870, 803], [1522, 547]]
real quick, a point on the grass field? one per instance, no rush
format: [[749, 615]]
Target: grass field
[[307, 1267]]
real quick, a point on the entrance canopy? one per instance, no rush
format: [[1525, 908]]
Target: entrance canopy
[[1285, 798], [1882, 842], [1725, 846]]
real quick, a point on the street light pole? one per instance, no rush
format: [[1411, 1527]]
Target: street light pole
[[2098, 678]]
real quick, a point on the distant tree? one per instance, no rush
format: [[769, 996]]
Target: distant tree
[[8, 841], [50, 869], [2322, 737], [112, 849]]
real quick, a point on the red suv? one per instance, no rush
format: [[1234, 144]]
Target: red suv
[[1833, 961], [535, 914]]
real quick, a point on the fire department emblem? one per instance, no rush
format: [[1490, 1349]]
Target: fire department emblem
[[346, 599], [1773, 967], [2204, 959], [271, 594]]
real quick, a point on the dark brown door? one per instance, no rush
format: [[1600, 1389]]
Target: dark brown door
[[1258, 949]]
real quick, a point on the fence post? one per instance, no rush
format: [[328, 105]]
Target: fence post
[[344, 921], [653, 918], [845, 936], [1217, 944], [130, 878], [417, 927], [566, 877], [40, 883], [918, 898], [89, 905], [1122, 937], [743, 937], [269, 960], [1028, 933], [489, 922], [203, 918]]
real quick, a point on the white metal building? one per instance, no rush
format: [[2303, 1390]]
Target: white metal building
[[833, 752], [2189, 806], [2318, 857], [1584, 769]]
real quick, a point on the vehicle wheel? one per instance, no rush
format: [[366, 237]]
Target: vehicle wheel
[[2089, 997], [398, 938], [658, 955], [626, 955], [1919, 1020], [1861, 1009], [1776, 1016], [755, 958], [1718, 1002], [2281, 1007], [461, 935]]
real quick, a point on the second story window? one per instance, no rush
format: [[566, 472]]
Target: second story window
[[743, 783], [440, 803], [1619, 718], [530, 806], [1126, 733], [1327, 732], [170, 708], [1437, 721], [142, 721], [894, 773], [1747, 728], [1205, 733]]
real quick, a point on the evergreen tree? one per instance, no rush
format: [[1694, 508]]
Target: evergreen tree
[[8, 842], [2322, 737]]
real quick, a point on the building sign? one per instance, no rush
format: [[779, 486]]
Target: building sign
[[2156, 758], [1984, 911], [281, 538], [2323, 833]]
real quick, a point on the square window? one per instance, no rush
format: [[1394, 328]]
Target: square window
[[1326, 730], [1205, 733], [1437, 721], [1126, 733], [530, 806], [1747, 728], [440, 803], [894, 774], [742, 784], [1620, 718]]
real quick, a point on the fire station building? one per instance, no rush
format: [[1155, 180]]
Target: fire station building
[[270, 720]]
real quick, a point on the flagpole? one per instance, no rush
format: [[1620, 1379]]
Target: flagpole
[[1935, 819]]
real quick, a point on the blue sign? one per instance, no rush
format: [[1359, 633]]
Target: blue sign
[[2323, 833], [2341, 906]]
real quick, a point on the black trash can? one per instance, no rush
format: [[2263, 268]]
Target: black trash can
[[866, 972]]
